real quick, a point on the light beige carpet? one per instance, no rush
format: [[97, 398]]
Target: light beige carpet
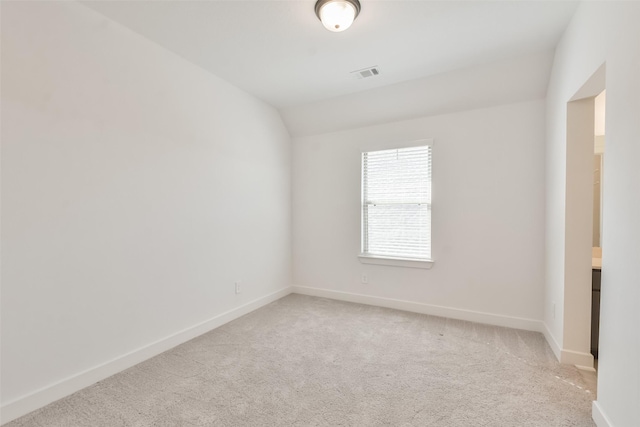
[[304, 361]]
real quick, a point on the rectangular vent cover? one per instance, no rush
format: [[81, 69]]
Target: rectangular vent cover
[[366, 72]]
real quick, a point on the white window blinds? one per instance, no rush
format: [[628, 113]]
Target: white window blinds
[[396, 203]]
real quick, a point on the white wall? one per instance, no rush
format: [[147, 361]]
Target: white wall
[[602, 32], [488, 215], [136, 189]]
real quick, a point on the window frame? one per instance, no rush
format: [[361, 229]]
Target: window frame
[[367, 258]]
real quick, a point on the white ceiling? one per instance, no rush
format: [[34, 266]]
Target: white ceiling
[[510, 81], [279, 51]]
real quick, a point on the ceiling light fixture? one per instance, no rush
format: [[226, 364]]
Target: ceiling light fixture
[[337, 15]]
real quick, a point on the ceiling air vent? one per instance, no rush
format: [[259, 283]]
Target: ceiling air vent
[[366, 72]]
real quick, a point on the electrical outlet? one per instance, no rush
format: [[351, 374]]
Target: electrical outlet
[[364, 278], [238, 287]]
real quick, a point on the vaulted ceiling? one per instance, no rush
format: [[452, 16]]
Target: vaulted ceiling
[[280, 52]]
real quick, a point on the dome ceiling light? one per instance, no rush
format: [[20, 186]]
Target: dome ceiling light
[[337, 15]]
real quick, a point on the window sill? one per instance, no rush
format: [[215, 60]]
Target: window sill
[[396, 262]]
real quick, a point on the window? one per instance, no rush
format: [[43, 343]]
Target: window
[[396, 204]]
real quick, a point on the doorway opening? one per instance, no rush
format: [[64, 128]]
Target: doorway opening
[[596, 261], [583, 229]]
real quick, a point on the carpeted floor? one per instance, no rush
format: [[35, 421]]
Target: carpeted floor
[[304, 361]]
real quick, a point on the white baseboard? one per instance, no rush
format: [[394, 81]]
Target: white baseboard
[[599, 416], [434, 310], [39, 398], [551, 340], [579, 359]]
